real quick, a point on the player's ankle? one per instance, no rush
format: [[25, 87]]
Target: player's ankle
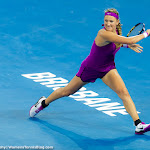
[[137, 122], [43, 104]]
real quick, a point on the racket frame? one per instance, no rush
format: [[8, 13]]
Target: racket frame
[[143, 29]]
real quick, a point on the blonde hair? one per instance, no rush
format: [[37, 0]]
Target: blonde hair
[[118, 27]]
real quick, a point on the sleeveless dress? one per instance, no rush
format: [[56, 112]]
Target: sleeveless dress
[[98, 63]]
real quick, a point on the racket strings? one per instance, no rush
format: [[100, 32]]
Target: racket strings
[[136, 30]]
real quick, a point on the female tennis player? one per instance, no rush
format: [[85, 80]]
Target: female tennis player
[[100, 64]]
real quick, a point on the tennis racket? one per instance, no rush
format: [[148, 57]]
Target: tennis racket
[[137, 29]]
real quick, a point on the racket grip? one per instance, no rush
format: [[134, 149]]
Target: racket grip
[[145, 34]]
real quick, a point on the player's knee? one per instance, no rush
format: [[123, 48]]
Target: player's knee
[[122, 92], [67, 92]]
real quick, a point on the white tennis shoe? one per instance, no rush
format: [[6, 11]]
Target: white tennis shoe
[[35, 109], [142, 128]]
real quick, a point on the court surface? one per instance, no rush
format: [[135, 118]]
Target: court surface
[[52, 38]]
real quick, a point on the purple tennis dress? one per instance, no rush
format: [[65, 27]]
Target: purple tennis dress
[[98, 63]]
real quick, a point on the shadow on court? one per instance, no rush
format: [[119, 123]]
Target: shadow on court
[[87, 143]]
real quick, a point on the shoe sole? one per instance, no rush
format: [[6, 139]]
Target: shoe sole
[[29, 112]]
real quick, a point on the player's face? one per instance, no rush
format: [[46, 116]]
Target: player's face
[[110, 23]]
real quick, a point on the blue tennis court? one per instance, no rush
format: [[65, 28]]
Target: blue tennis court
[[42, 45]]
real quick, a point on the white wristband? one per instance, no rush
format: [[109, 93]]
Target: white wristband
[[145, 34], [125, 45]]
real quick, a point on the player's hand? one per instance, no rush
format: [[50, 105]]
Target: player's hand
[[136, 47]]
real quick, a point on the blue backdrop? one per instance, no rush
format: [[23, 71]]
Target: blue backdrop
[[55, 36]]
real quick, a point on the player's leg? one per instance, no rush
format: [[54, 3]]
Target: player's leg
[[73, 86], [115, 82]]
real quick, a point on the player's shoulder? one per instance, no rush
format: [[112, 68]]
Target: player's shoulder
[[101, 32]]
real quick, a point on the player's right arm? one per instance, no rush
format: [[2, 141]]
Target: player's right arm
[[112, 37]]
